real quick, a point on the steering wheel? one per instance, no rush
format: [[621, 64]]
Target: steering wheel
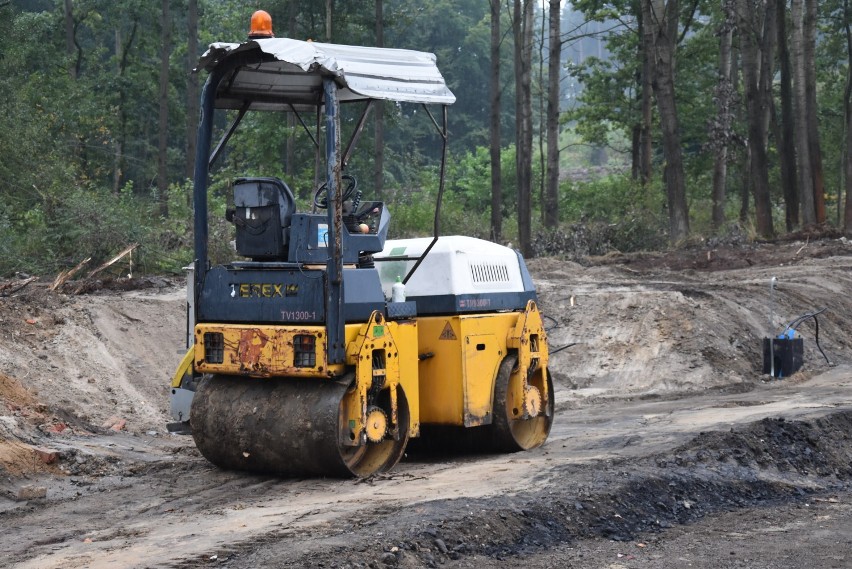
[[321, 199]]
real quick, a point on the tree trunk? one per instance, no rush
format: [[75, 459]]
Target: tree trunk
[[118, 150], [554, 67], [69, 37], [785, 139], [745, 190], [803, 158], [328, 7], [542, 115], [745, 162], [122, 51], [847, 100], [814, 147], [162, 173], [635, 134], [494, 86], [724, 118], [661, 23], [767, 65], [763, 203], [191, 87], [379, 108], [636, 131], [847, 211], [646, 148], [756, 116], [522, 27], [775, 132]]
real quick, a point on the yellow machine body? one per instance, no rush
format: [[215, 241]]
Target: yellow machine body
[[457, 381], [268, 352], [447, 367]]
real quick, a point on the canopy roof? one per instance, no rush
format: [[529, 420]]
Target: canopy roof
[[275, 73]]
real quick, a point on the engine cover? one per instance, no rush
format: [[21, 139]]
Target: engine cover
[[459, 274]]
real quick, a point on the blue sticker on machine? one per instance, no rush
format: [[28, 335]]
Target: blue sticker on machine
[[322, 235]]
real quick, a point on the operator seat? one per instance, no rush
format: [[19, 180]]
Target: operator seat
[[262, 211]]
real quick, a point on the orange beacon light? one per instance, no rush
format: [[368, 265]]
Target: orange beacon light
[[261, 25]]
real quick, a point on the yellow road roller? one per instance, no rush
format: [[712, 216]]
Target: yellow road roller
[[324, 347]]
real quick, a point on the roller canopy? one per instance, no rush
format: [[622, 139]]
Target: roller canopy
[[278, 72]]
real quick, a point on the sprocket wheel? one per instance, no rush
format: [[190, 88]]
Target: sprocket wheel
[[377, 424]]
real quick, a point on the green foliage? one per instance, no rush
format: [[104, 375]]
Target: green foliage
[[68, 227], [90, 116], [832, 67], [79, 128], [610, 97], [469, 179], [599, 216], [458, 33], [413, 211], [604, 199], [608, 101], [92, 222]]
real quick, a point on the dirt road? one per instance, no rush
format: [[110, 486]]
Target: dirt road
[[669, 447]]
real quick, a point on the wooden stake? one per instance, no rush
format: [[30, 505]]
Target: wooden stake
[[65, 276], [113, 261], [15, 286]]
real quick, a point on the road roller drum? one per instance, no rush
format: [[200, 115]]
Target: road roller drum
[[287, 427]]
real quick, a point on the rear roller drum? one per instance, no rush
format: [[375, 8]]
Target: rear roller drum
[[289, 427], [511, 431]]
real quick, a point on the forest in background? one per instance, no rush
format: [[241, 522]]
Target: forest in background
[[659, 123]]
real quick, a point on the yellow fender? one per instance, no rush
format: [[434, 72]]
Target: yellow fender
[[184, 367]]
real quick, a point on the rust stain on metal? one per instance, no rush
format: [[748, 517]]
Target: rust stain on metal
[[251, 347], [473, 420]]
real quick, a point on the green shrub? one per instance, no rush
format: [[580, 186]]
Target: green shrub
[[613, 213]]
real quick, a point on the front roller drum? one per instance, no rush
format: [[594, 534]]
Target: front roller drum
[[287, 426], [512, 432]]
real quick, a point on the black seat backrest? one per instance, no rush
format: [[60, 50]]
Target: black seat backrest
[[263, 209]]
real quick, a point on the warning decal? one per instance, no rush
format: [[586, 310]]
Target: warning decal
[[448, 333]]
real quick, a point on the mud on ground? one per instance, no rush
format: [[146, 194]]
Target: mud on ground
[[669, 447]]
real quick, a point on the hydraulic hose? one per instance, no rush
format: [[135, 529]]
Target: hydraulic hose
[[792, 326]]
